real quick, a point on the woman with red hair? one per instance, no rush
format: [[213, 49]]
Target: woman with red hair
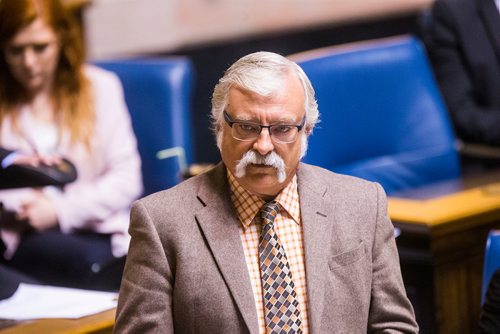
[[53, 104]]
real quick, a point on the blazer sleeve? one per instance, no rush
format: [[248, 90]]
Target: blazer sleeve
[[147, 282], [390, 309], [446, 44]]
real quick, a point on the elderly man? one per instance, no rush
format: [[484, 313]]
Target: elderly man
[[263, 243]]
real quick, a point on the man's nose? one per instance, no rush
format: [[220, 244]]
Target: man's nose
[[264, 143]]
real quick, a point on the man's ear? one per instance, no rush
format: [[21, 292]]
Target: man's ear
[[308, 130]]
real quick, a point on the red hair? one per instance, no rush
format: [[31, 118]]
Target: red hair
[[71, 90]]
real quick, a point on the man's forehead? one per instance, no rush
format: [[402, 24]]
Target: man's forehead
[[236, 91], [264, 88]]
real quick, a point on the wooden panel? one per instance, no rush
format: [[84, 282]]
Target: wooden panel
[[457, 308], [98, 323], [446, 209]]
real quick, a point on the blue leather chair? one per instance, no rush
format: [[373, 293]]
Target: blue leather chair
[[491, 260], [382, 116], [158, 95]]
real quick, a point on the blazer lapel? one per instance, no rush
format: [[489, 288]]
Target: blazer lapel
[[219, 224], [317, 216], [491, 19]]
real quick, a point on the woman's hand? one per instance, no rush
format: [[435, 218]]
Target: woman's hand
[[39, 211], [36, 159]]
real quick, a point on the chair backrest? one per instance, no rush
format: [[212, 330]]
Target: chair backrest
[[158, 95], [382, 116], [491, 260]]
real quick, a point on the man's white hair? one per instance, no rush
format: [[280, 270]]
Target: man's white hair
[[262, 73]]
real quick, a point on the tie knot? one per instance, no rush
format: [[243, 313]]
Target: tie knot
[[269, 212]]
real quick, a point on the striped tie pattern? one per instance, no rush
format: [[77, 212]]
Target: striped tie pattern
[[282, 314]]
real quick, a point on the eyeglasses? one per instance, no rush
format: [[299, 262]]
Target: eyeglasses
[[246, 131]]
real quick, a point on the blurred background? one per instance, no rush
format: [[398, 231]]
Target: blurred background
[[214, 33]]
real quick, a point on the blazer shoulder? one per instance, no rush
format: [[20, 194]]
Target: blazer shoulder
[[318, 177], [173, 196], [184, 194], [455, 4], [459, 10]]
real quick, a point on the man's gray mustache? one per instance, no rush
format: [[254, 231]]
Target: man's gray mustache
[[272, 159]]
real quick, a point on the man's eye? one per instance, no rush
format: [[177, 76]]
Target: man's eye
[[282, 129], [248, 127]]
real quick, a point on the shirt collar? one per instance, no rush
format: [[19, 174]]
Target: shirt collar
[[248, 205]]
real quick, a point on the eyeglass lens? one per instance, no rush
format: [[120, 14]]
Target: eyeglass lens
[[248, 131]]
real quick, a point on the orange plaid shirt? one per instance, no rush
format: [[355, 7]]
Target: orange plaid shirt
[[289, 230]]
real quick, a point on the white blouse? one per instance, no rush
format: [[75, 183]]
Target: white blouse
[[109, 177]]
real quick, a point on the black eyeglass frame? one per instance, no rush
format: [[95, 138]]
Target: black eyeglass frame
[[230, 122]]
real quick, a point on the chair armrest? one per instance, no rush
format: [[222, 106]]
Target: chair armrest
[[481, 151]]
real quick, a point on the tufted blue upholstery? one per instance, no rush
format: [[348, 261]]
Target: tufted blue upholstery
[[382, 117], [158, 94], [491, 260]]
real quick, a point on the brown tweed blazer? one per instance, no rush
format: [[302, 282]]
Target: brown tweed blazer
[[186, 271]]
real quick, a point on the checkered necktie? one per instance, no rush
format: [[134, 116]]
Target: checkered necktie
[[281, 308]]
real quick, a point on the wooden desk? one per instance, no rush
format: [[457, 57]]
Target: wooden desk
[[441, 247], [99, 323]]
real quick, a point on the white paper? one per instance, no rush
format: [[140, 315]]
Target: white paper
[[38, 301]]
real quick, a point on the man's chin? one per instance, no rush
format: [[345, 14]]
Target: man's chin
[[262, 185], [252, 170], [264, 171]]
